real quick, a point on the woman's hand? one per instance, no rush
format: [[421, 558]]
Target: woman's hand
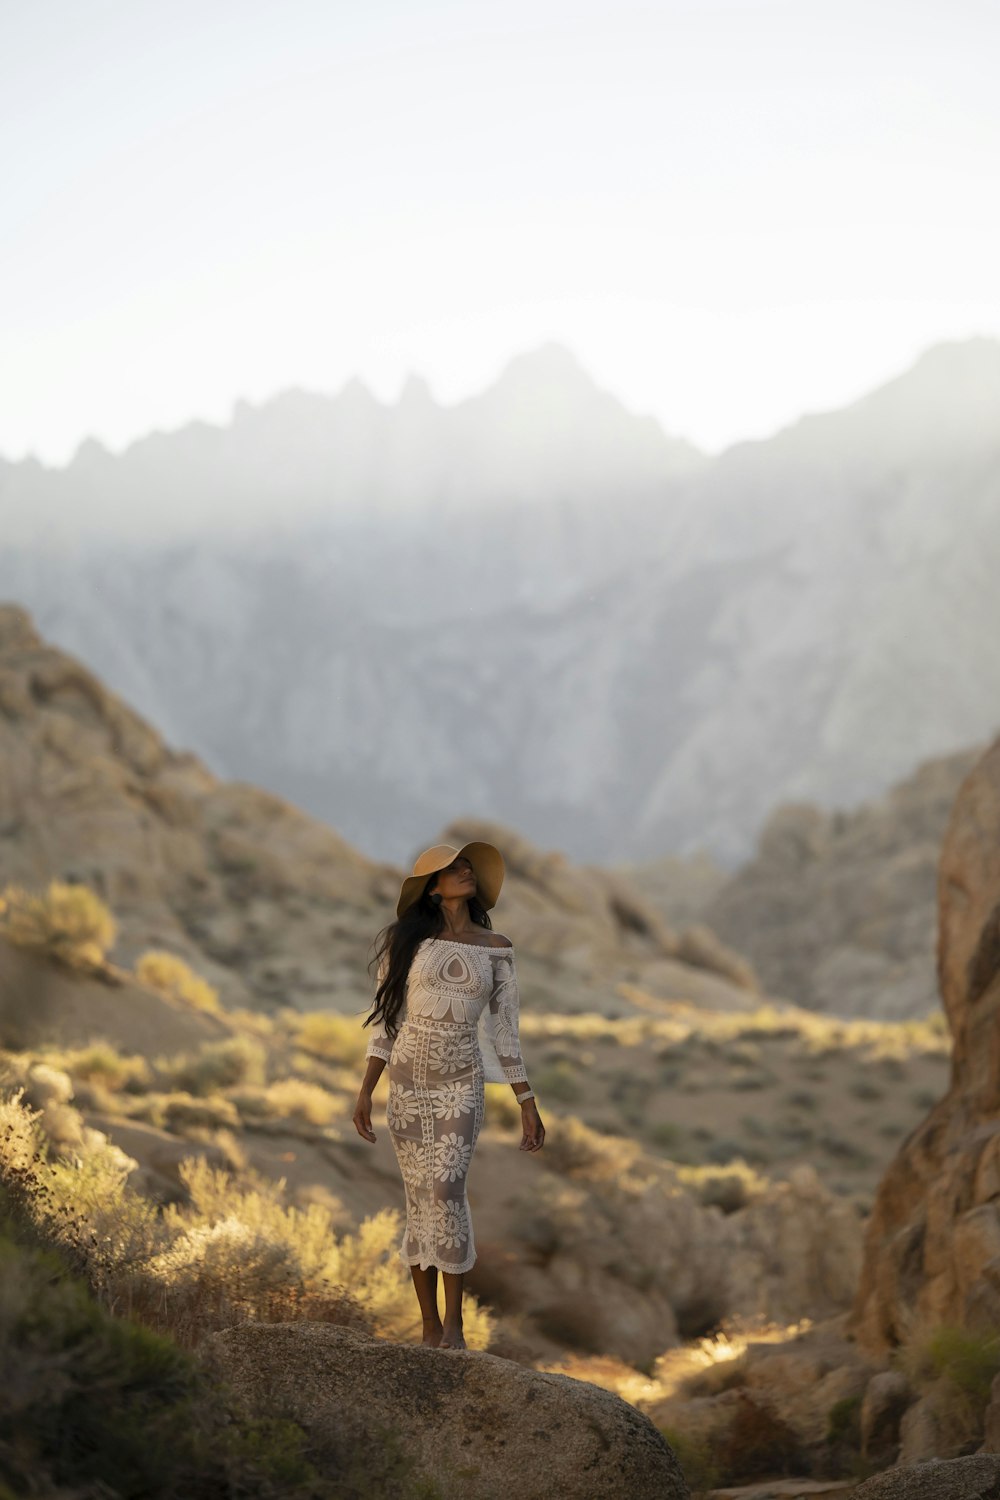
[[534, 1130], [363, 1115]]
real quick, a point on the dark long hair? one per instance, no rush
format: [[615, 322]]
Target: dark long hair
[[399, 942]]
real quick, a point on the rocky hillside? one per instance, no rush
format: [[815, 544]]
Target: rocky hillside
[[711, 1153], [837, 910], [272, 906]]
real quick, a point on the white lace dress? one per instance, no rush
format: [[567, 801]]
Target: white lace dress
[[457, 1030]]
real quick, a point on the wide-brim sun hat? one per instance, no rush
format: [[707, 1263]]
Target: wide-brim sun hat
[[485, 859]]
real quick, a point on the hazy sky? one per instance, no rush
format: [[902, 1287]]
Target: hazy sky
[[731, 211]]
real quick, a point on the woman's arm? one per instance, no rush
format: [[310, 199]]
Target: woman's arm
[[505, 1005], [363, 1108], [377, 1054]]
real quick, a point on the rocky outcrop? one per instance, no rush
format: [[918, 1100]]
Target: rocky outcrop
[[470, 1424], [837, 909], [932, 1251], [619, 1259], [976, 1477]]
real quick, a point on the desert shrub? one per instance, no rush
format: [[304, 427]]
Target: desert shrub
[[98, 1404], [340, 1039], [295, 1099], [724, 1151], [665, 1135], [730, 1187], [247, 1249], [216, 1065], [576, 1150], [233, 1251], [844, 1420], [957, 1367], [866, 1088], [845, 1150], [967, 1360], [68, 922], [78, 1204], [182, 1112], [104, 1064], [559, 1080], [697, 1459], [172, 976], [255, 1021], [749, 1082]]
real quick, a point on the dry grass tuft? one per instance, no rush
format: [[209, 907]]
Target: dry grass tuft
[[67, 922], [216, 1065], [172, 976]]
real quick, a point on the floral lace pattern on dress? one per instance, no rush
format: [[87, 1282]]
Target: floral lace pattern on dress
[[458, 1028]]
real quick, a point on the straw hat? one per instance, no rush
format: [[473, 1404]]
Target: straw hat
[[485, 859]]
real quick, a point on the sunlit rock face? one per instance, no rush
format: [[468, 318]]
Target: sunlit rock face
[[933, 1242]]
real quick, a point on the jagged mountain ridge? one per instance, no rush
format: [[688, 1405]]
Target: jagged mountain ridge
[[640, 663], [542, 431]]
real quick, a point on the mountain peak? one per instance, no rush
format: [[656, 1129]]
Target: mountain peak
[[90, 451], [415, 392], [549, 361]]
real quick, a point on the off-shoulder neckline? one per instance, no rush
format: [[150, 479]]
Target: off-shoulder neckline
[[486, 947]]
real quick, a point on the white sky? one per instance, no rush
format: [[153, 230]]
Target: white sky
[[732, 211]]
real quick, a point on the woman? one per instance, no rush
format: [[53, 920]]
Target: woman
[[445, 1017]]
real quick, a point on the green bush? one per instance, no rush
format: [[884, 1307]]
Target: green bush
[[697, 1459], [99, 1404], [969, 1361]]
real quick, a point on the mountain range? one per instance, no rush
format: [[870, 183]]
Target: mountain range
[[536, 606]]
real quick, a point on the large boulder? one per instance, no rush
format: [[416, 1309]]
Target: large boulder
[[976, 1477], [470, 1424], [932, 1248]]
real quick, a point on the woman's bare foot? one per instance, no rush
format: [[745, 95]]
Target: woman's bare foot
[[432, 1332], [452, 1337]]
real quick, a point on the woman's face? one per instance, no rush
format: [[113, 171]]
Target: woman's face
[[456, 880]]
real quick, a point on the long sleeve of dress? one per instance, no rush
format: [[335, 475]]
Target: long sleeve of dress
[[380, 1042], [504, 1011]]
